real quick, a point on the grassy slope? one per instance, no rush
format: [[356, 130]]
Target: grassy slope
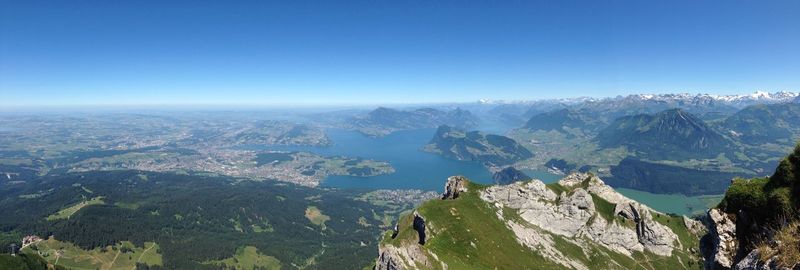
[[72, 209], [469, 220], [106, 258]]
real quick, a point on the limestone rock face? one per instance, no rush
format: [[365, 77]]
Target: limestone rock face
[[395, 258], [723, 240], [751, 262], [573, 214], [454, 186], [388, 259], [628, 211], [655, 237], [546, 219], [694, 226]]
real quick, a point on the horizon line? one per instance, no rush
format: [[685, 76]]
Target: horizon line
[[343, 105]]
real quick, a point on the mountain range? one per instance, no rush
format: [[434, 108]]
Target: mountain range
[[564, 120], [765, 123], [670, 134]]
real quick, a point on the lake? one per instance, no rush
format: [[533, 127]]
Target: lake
[[416, 169], [673, 203]]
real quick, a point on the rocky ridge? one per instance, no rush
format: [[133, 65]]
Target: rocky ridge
[[757, 224], [575, 215], [579, 211]]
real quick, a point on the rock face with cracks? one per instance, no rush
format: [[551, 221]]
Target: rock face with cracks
[[574, 214], [724, 245]]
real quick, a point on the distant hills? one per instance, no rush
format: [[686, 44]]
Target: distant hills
[[642, 103], [383, 121], [564, 120], [634, 141], [631, 140], [670, 134], [765, 123], [493, 150]]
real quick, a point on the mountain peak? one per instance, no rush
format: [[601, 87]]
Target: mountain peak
[[672, 133]]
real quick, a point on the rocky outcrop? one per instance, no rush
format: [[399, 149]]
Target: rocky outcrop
[[694, 226], [454, 186], [396, 258], [573, 214], [572, 225], [655, 237], [723, 242], [753, 262], [388, 259]]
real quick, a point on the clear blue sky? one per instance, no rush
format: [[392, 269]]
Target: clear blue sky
[[343, 52]]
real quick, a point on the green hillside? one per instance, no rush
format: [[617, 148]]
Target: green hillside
[[467, 233], [671, 135]]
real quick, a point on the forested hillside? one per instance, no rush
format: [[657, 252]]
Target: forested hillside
[[195, 220]]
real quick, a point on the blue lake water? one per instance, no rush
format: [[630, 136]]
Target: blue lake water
[[414, 168], [673, 203]]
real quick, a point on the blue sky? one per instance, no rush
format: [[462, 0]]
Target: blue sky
[[361, 52]]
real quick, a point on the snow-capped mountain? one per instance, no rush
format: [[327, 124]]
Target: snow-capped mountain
[[758, 97], [609, 108]]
